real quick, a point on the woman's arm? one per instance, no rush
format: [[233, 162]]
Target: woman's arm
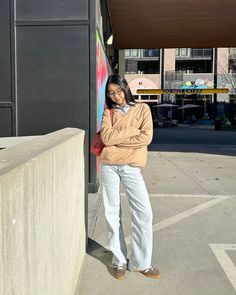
[[144, 137], [112, 136]]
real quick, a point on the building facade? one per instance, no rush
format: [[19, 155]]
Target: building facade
[[184, 68], [53, 61]]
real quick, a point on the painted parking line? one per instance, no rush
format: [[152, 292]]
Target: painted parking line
[[185, 214], [226, 263], [191, 196], [219, 250], [178, 217]]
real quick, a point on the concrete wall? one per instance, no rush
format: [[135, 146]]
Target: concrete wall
[[42, 220]]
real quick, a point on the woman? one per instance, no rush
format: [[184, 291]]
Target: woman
[[126, 134]]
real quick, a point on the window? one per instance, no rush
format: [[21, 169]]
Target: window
[[131, 66], [127, 53], [149, 67], [151, 53], [232, 66], [153, 97], [135, 52], [201, 52], [184, 51]]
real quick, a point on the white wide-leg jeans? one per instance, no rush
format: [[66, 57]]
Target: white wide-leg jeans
[[141, 214]]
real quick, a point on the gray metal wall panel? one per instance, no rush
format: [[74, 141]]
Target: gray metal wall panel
[[5, 121], [5, 64], [52, 78], [28, 10]]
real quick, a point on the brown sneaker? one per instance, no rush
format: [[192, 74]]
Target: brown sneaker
[[119, 271], [151, 272]]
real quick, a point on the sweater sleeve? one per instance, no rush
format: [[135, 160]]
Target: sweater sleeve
[[113, 136], [144, 138]]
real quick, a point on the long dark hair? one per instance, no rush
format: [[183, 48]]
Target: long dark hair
[[122, 83]]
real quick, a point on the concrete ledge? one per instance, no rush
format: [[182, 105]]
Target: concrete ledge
[[42, 224], [6, 142]]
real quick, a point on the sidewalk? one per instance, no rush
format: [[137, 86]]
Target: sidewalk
[[193, 197]]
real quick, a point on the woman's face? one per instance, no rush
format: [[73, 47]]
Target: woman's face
[[116, 94]]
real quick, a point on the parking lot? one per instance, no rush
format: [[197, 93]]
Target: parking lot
[[192, 188]]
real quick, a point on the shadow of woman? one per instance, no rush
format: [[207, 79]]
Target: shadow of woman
[[100, 253]]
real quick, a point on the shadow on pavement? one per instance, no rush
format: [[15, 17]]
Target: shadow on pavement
[[194, 140], [100, 253], [205, 149]]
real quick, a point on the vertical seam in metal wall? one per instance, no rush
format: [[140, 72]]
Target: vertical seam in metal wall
[[87, 136], [92, 78], [89, 92], [15, 69], [14, 119]]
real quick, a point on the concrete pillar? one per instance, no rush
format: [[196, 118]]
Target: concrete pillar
[[169, 59], [169, 65], [223, 60], [122, 62], [223, 76]]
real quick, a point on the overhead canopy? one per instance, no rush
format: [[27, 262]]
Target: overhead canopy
[[173, 23]]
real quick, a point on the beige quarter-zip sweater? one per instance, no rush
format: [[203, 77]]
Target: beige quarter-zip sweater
[[126, 138]]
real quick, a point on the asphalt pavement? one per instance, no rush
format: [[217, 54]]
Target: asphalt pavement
[[191, 179]]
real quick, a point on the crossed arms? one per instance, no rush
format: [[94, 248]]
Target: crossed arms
[[130, 136]]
